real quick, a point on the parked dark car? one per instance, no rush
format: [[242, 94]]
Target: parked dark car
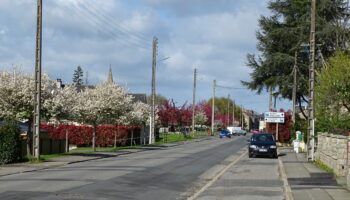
[[262, 144]]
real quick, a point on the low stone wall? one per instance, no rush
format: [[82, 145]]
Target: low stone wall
[[333, 151]]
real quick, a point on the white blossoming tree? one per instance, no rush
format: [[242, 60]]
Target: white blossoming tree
[[61, 107], [101, 105], [200, 118], [17, 97], [138, 116]]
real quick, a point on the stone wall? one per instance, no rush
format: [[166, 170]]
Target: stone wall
[[333, 151]]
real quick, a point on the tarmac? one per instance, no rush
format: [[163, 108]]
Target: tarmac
[[302, 180]]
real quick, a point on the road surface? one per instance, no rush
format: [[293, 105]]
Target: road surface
[[209, 169]]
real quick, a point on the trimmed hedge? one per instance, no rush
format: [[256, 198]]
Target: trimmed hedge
[[82, 135], [9, 142]]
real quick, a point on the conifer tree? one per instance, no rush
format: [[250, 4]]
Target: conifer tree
[[78, 76]]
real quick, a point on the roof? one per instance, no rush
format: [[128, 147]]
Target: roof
[[139, 97]]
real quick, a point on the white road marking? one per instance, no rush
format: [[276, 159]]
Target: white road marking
[[211, 182]]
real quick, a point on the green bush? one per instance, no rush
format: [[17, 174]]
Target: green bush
[[9, 142]]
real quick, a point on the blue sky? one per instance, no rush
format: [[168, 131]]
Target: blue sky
[[213, 36]]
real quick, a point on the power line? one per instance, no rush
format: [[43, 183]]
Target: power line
[[112, 26], [122, 27], [97, 25]]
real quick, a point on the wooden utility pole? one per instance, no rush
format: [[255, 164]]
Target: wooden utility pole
[[37, 90], [242, 118], [270, 98], [311, 103], [194, 99], [233, 113], [153, 92], [213, 108], [228, 109], [294, 85]]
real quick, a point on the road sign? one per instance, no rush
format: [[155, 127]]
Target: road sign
[[274, 114], [275, 120]]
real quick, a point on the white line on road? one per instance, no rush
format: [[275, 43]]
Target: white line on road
[[206, 186], [287, 189]]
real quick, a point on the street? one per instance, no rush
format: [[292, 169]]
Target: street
[[177, 172]]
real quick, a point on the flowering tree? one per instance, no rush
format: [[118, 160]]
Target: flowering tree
[[102, 105], [138, 116], [17, 97], [200, 118], [61, 106]]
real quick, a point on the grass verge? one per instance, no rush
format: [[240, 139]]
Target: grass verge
[[164, 138], [324, 167]]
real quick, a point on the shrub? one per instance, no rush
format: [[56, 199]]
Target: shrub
[[9, 142], [82, 135]]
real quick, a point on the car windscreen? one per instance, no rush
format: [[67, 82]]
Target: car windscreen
[[262, 138]]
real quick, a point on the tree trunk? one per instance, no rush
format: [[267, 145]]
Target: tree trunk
[[132, 136], [115, 137], [94, 138], [67, 139], [29, 136]]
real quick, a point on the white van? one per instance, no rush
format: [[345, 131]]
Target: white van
[[236, 130]]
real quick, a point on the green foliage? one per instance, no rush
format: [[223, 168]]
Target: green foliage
[[324, 167], [78, 76], [282, 34], [158, 100], [332, 93], [221, 106], [9, 142]]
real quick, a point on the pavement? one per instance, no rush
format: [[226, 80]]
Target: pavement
[[305, 181]]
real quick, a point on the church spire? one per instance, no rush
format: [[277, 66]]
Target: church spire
[[110, 75]]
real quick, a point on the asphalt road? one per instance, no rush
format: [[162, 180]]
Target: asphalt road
[[177, 172]]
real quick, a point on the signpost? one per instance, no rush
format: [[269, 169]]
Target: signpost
[[274, 117]]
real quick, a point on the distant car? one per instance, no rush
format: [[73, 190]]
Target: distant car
[[262, 144], [225, 133], [236, 130], [255, 131]]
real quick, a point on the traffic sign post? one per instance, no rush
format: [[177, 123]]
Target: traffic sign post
[[274, 117]]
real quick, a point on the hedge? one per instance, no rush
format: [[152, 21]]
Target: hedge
[[82, 135], [9, 142]]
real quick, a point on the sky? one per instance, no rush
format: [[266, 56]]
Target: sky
[[212, 36]]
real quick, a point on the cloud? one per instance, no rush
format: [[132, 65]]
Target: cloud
[[213, 36]]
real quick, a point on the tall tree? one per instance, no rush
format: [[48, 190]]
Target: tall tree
[[78, 76], [332, 95], [104, 104], [287, 31], [17, 99], [61, 109]]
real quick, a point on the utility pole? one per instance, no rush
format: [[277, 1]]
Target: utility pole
[[228, 109], [213, 109], [233, 113], [311, 104], [37, 95], [270, 98], [194, 98], [242, 118], [86, 78], [294, 85], [153, 92]]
